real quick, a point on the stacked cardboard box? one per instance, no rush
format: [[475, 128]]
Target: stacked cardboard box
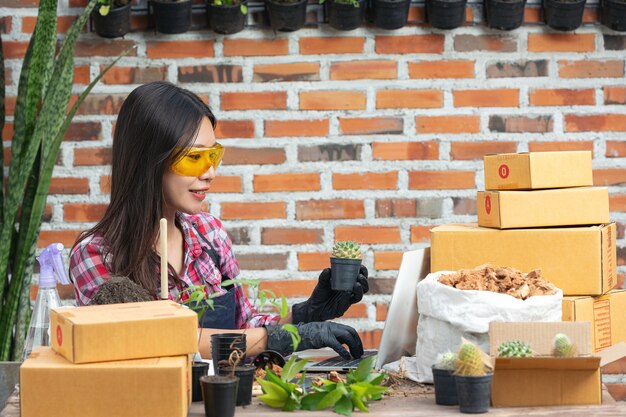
[[123, 360]]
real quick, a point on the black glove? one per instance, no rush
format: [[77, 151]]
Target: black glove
[[315, 336], [326, 303]]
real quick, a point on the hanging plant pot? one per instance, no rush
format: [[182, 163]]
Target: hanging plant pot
[[198, 369], [172, 17], [474, 393], [391, 14], [115, 24], [245, 373], [344, 273], [614, 14], [445, 387], [344, 15], [219, 394], [445, 14], [505, 14], [563, 14], [286, 16], [226, 19]]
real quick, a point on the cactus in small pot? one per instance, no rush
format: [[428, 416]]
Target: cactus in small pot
[[345, 264], [515, 349], [563, 346], [473, 383], [468, 361], [446, 361], [443, 379]]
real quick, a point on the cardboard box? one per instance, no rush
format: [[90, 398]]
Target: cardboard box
[[536, 170], [543, 380], [51, 386], [537, 208], [606, 313], [124, 331], [579, 260]]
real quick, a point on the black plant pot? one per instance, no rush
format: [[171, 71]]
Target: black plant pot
[[563, 14], [286, 17], [505, 14], [391, 14], [172, 17], [219, 394], [474, 393], [614, 14], [445, 387], [245, 373], [223, 344], [445, 14], [344, 16], [198, 369], [343, 273], [115, 24], [226, 19]]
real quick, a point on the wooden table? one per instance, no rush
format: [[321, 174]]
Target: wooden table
[[421, 406]]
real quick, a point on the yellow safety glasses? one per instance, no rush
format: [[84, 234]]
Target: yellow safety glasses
[[197, 161]]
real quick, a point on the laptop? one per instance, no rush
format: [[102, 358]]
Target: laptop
[[400, 332]]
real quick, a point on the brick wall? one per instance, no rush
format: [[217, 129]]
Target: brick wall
[[372, 135]]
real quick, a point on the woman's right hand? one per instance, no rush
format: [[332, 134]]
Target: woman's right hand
[[317, 335]]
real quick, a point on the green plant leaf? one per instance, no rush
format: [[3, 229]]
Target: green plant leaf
[[294, 333], [272, 377], [330, 399], [357, 401], [375, 379], [104, 10], [271, 401], [284, 310], [344, 406], [291, 372], [310, 401], [273, 390], [244, 9], [292, 403], [364, 368]]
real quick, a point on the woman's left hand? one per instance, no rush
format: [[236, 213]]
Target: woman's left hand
[[326, 303]]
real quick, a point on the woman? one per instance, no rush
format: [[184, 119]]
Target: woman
[[165, 157]]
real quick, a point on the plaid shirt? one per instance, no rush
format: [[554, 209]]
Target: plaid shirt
[[89, 270]]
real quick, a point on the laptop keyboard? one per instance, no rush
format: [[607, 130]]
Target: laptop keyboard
[[339, 362]]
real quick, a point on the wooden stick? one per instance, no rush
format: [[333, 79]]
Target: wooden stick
[[163, 237]]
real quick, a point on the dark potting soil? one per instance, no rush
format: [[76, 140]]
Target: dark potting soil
[[120, 290]]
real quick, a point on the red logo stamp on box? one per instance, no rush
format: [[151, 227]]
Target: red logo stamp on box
[[488, 204], [504, 171], [59, 335]]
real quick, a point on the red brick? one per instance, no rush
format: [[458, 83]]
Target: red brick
[[130, 75], [291, 236], [105, 184], [561, 146], [614, 95], [561, 42], [63, 23], [521, 124], [441, 69], [356, 311], [405, 150], [502, 97], [66, 237], [98, 104], [368, 234], [262, 261], [381, 312], [7, 131], [253, 210], [371, 338], [370, 125], [286, 182], [255, 47], [492, 43], [417, 14], [590, 15], [226, 184], [611, 176], [313, 261], [617, 202], [532, 14], [180, 49], [92, 156], [332, 100], [102, 47], [562, 97], [366, 181], [5, 24], [299, 71], [441, 180], [210, 74], [359, 70], [617, 391], [420, 234], [234, 129], [331, 45], [289, 288], [447, 124], [395, 207], [281, 128], [409, 44], [476, 150], [76, 212], [615, 367], [270, 100], [69, 185], [253, 156], [329, 209], [14, 49], [413, 99], [387, 260], [591, 69], [81, 75], [615, 149], [595, 123]]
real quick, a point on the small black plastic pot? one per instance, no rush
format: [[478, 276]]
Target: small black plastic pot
[[390, 14], [245, 373], [445, 14], [344, 16], [505, 14], [198, 369], [226, 19], [343, 273], [614, 14], [223, 344], [445, 387], [219, 394], [563, 14], [172, 17], [286, 17], [474, 393], [115, 24]]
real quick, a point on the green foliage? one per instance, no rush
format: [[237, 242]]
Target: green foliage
[[362, 385], [346, 249], [40, 121], [515, 349], [446, 361], [104, 6], [563, 346], [355, 3], [469, 361], [242, 7]]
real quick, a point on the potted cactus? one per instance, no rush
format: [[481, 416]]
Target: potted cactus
[[111, 18], [345, 264], [515, 349], [563, 346], [473, 383], [443, 379]]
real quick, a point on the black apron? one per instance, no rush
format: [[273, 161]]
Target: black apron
[[222, 316]]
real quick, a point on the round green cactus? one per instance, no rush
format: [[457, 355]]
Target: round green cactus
[[468, 361], [446, 361], [563, 346], [346, 249], [515, 349]]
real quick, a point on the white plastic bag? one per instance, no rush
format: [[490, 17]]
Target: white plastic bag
[[446, 314]]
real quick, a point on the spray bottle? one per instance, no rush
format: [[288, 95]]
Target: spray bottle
[[50, 261]]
